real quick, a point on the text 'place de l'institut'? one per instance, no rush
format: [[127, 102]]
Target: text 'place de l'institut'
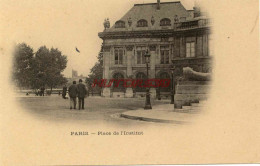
[[173, 35]]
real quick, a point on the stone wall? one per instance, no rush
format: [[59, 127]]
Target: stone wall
[[188, 92]]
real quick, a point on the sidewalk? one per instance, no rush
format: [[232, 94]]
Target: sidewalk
[[163, 113]]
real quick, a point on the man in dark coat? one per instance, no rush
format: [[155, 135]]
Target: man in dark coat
[[42, 91], [64, 92], [82, 91], [73, 92]]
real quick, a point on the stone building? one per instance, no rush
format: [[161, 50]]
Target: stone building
[[173, 36], [75, 77]]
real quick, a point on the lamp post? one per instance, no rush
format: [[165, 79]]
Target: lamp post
[[147, 97], [173, 85]]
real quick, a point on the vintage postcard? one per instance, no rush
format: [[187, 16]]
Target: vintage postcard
[[129, 82]]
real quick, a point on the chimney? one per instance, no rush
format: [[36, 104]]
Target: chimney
[[196, 9], [158, 4]]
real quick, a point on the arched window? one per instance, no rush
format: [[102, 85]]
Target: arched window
[[118, 87], [142, 23], [165, 75], [165, 22], [141, 77], [120, 24]]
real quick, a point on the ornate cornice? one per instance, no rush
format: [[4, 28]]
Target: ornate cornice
[[151, 33], [141, 68], [195, 60], [118, 67]]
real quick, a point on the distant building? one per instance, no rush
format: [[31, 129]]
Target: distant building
[[173, 36], [75, 77], [74, 73]]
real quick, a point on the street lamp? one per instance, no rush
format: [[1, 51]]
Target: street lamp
[[147, 98], [173, 85]]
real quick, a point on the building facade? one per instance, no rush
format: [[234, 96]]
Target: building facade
[[171, 34]]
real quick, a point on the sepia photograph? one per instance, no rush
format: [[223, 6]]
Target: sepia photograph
[[129, 82], [156, 57]]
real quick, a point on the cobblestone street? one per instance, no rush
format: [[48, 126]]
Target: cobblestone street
[[97, 109]]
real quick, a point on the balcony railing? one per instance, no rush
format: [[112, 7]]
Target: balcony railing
[[191, 24]]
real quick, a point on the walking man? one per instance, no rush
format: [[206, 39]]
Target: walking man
[[42, 91], [73, 95], [82, 91], [64, 92]]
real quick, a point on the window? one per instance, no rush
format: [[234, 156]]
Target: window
[[165, 54], [142, 23], [142, 78], [165, 22], [165, 75], [140, 55], [118, 86], [190, 49], [120, 24], [119, 52]]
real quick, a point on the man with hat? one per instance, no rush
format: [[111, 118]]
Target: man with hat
[[73, 91], [82, 91]]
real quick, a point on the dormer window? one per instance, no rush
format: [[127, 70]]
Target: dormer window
[[142, 23], [165, 22], [120, 24]]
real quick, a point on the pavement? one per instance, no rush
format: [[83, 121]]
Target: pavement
[[164, 113], [118, 110]]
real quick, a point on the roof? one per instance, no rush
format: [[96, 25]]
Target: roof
[[155, 3], [147, 11]]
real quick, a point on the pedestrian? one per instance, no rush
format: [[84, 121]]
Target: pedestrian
[[37, 93], [73, 95], [64, 92], [42, 91], [82, 91]]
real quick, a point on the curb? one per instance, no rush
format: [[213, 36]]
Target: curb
[[150, 119]]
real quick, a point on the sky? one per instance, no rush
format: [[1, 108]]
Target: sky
[[65, 24]]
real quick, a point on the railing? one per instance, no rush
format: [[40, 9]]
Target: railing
[[191, 24]]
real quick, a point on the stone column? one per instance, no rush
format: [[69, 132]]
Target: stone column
[[106, 63], [152, 49], [129, 70]]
